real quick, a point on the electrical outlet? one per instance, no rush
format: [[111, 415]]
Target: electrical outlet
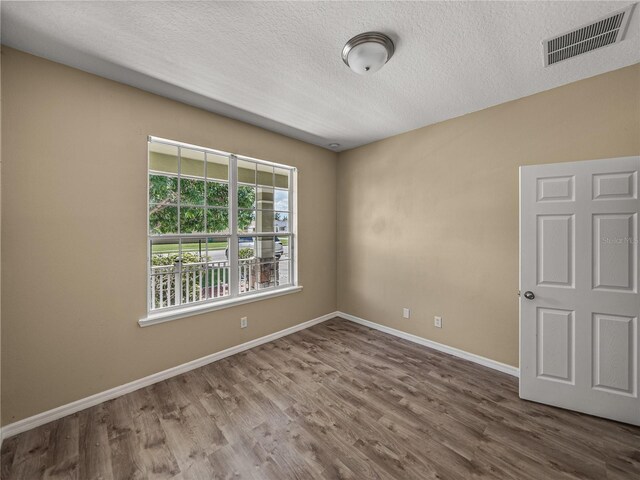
[[243, 322], [437, 322], [406, 313]]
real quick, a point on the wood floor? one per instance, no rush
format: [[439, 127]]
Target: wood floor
[[335, 401]]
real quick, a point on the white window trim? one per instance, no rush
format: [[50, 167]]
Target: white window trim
[[166, 314]]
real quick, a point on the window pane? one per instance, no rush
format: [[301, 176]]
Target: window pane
[[217, 220], [193, 270], [246, 275], [191, 192], [217, 194], [191, 163], [265, 248], [282, 250], [164, 248], [265, 275], [283, 277], [246, 196], [264, 198], [217, 279], [163, 189], [246, 263], [264, 221], [282, 177], [163, 219], [217, 166], [163, 158], [265, 175], [253, 275], [217, 249], [193, 248], [246, 248], [164, 268], [281, 221], [191, 220], [281, 199], [246, 221], [246, 172]]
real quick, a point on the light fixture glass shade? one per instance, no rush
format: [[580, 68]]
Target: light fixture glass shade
[[368, 52], [367, 58]]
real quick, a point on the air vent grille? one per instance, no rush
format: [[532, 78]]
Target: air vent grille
[[598, 34]]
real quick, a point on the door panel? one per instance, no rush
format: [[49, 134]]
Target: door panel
[[613, 256], [555, 250], [614, 353], [555, 189], [579, 255], [615, 185], [555, 344]]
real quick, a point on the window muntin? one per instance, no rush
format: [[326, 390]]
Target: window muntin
[[219, 225]]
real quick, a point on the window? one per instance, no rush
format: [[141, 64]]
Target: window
[[220, 226]]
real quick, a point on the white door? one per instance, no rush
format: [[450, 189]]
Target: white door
[[579, 302]]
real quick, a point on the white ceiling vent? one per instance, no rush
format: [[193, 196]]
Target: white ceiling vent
[[600, 33]]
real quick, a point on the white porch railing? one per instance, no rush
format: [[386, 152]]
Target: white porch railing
[[198, 281], [246, 274], [195, 281]]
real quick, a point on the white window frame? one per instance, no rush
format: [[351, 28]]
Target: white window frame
[[164, 314]]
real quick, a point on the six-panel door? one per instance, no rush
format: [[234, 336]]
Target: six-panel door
[[579, 255]]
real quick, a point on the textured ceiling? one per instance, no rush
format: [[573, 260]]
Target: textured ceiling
[[278, 65]]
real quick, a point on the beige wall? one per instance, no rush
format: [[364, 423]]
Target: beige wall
[[429, 219], [74, 235]]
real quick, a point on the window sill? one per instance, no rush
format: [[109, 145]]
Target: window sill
[[161, 317]]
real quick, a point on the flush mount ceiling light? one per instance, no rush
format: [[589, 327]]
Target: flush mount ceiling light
[[368, 52], [334, 145]]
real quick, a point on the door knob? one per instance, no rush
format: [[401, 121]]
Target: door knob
[[529, 295]]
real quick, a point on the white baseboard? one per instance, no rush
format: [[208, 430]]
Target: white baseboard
[[73, 407], [487, 362]]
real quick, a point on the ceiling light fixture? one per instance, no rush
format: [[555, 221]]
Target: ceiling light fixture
[[368, 52], [334, 145]]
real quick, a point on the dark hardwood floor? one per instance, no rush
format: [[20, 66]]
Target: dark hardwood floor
[[335, 401]]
